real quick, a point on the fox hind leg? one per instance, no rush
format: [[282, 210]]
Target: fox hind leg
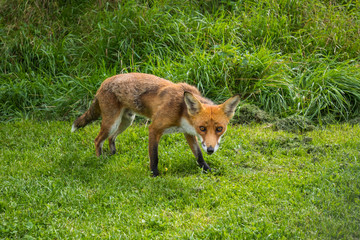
[[108, 127], [111, 113], [126, 120]]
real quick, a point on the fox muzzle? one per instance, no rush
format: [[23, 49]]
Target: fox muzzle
[[210, 150]]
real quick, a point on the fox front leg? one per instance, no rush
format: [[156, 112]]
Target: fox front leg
[[192, 141], [154, 138]]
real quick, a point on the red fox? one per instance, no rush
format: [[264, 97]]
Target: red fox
[[171, 108]]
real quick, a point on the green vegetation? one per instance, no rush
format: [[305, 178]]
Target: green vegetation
[[295, 62], [268, 185], [287, 56]]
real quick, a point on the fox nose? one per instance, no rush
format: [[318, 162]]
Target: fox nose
[[210, 150]]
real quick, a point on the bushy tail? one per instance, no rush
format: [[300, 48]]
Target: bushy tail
[[92, 114]]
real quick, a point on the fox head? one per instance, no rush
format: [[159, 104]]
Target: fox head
[[210, 121]]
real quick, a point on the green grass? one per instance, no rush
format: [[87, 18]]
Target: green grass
[[295, 59], [268, 185], [289, 57]]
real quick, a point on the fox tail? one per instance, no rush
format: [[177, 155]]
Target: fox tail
[[92, 114]]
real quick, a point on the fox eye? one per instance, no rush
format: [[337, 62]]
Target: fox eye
[[219, 129], [203, 129]]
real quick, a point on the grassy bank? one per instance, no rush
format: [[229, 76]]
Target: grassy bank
[[268, 185], [287, 57]]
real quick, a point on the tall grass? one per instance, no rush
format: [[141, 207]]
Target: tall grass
[[288, 56]]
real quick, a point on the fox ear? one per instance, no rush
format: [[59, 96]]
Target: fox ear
[[229, 106], [193, 105]]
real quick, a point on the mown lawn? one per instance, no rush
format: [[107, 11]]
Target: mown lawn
[[268, 185]]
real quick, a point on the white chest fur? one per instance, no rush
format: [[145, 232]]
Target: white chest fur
[[185, 127]]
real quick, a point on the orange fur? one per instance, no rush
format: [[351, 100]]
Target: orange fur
[[171, 108]]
